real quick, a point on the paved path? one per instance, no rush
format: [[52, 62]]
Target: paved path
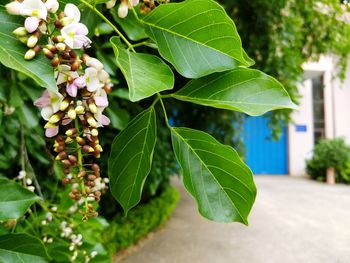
[[293, 220]]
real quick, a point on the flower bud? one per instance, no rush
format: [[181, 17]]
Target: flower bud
[[49, 125], [71, 132], [66, 163], [58, 39], [13, 8], [32, 40], [48, 53], [68, 140], [134, 2], [93, 108], [20, 32], [81, 174], [75, 66], [37, 49], [55, 118], [61, 156], [98, 147], [88, 149], [80, 140], [72, 158], [64, 104], [91, 177], [52, 6], [52, 48], [95, 167], [31, 24], [110, 4], [91, 121], [61, 46], [30, 54], [123, 10], [95, 63], [72, 113], [23, 39], [94, 132], [55, 61], [79, 109]]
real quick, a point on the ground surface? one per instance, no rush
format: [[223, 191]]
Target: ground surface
[[293, 220]]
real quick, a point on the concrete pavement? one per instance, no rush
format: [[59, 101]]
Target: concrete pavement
[[293, 220]]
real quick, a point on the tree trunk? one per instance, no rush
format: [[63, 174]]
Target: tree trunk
[[330, 175]]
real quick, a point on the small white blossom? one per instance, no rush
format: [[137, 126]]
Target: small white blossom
[[31, 24], [14, 8], [110, 4], [123, 10], [34, 8], [75, 35], [52, 6]]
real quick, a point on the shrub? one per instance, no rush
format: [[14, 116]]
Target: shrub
[[330, 153]]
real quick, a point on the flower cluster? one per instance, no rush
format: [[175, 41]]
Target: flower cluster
[[75, 112]]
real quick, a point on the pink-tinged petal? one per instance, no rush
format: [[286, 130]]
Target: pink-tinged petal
[[51, 132], [72, 90], [31, 24], [80, 82], [81, 29], [72, 11], [44, 100], [105, 120], [66, 121], [101, 101]]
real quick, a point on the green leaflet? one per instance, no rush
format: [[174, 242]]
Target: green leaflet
[[145, 74], [19, 248], [131, 158], [214, 175], [14, 200], [246, 90], [197, 37], [12, 53]]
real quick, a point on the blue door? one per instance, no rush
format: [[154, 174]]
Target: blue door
[[264, 155]]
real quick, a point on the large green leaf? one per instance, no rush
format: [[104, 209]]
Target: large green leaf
[[246, 90], [131, 158], [19, 248], [145, 74], [14, 200], [197, 37], [12, 53], [214, 175]]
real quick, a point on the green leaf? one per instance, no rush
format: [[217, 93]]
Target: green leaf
[[246, 90], [118, 116], [131, 158], [145, 74], [214, 175], [14, 200], [12, 53], [133, 28], [197, 37], [22, 248]]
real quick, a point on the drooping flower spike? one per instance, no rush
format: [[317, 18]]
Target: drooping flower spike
[[74, 113]]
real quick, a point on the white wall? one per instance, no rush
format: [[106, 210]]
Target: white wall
[[341, 92], [300, 143]]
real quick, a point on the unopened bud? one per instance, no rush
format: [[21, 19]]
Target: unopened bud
[[81, 174], [55, 118], [58, 39], [32, 40], [95, 167], [92, 108], [94, 132], [58, 24], [30, 54], [14, 8], [88, 149], [23, 39], [72, 113], [61, 156], [80, 140], [20, 32], [64, 105], [79, 109], [55, 61], [52, 48], [123, 10], [98, 147], [37, 49], [71, 132], [75, 66], [66, 163], [68, 140], [31, 24], [61, 46], [92, 122], [72, 158], [91, 177], [49, 125]]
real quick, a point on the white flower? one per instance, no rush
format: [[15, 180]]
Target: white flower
[[34, 8], [50, 103], [14, 8], [91, 78], [95, 63], [64, 72], [134, 2], [72, 11], [123, 10], [75, 35], [52, 6], [31, 24], [21, 174]]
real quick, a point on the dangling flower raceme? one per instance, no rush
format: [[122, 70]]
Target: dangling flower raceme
[[74, 113]]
